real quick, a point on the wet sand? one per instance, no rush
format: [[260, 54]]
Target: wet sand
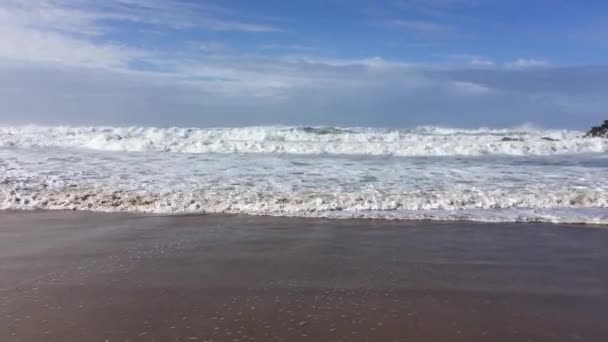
[[110, 277]]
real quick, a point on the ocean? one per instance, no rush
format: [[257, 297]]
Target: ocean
[[426, 173]]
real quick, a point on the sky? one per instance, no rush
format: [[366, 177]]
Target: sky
[[393, 63]]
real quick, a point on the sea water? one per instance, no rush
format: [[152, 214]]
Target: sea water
[[496, 175]]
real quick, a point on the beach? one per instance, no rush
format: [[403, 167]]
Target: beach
[[327, 171], [80, 276]]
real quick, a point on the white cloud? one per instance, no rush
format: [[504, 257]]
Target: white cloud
[[46, 15], [23, 44], [482, 62], [59, 53], [228, 25], [472, 59], [48, 33], [230, 90], [178, 15], [528, 63], [74, 32], [469, 88]]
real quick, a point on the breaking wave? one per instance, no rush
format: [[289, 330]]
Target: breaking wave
[[421, 141], [430, 173], [578, 207]]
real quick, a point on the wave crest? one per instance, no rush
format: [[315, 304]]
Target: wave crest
[[421, 141], [585, 206]]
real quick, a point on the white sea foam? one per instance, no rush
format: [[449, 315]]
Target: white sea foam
[[81, 169], [422, 141]]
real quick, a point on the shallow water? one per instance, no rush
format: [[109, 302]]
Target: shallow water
[[309, 172]]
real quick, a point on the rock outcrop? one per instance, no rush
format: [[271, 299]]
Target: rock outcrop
[[598, 131]]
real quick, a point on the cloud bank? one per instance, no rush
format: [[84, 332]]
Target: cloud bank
[[60, 63]]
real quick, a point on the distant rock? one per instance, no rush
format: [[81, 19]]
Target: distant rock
[[598, 131], [325, 130], [511, 139], [549, 139]]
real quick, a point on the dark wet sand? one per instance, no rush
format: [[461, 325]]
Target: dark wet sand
[[106, 277]]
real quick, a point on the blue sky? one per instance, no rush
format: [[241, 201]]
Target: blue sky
[[393, 63]]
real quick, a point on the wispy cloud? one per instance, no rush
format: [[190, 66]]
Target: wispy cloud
[[469, 88], [435, 8], [522, 63], [241, 90], [420, 26], [432, 18], [178, 14], [70, 55], [472, 59], [76, 32], [228, 25], [49, 33], [269, 90]]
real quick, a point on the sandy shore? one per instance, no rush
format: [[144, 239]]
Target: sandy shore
[[110, 277]]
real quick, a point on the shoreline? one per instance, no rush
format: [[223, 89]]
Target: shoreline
[[305, 218], [79, 276]]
